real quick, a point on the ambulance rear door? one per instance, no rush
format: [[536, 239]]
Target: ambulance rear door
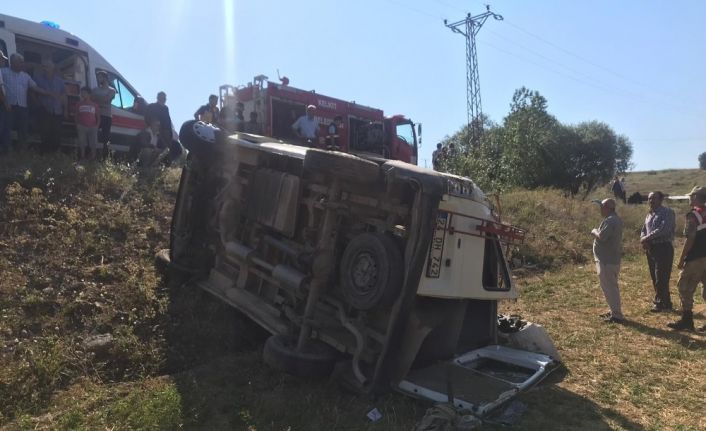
[[7, 40]]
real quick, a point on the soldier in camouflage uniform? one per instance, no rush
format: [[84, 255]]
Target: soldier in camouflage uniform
[[693, 258]]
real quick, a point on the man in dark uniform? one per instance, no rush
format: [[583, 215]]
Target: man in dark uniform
[[656, 237], [333, 135], [693, 258]]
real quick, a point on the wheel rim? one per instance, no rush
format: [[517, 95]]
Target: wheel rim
[[364, 273]]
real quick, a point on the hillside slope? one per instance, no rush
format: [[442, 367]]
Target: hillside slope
[[92, 338], [670, 181]]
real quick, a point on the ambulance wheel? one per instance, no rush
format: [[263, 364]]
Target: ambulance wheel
[[371, 271], [317, 360], [341, 165]]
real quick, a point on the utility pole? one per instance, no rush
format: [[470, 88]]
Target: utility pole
[[469, 27]]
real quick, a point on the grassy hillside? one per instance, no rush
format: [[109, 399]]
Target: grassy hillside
[[671, 181], [76, 258]]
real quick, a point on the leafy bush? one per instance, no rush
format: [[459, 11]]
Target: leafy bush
[[532, 149]]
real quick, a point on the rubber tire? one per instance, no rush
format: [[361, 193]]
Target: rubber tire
[[389, 262], [317, 362], [341, 165]]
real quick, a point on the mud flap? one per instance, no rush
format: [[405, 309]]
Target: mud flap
[[479, 380]]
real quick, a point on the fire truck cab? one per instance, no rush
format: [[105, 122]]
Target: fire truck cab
[[364, 130]]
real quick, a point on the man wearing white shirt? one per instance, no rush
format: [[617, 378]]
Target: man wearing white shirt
[[17, 83], [307, 126]]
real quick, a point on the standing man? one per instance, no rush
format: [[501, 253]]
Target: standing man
[[617, 188], [239, 117], [160, 111], [607, 252], [209, 112], [307, 127], [656, 238], [435, 157], [52, 108], [693, 258], [103, 95], [17, 83], [623, 190]]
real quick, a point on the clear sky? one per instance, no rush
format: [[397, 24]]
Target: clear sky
[[638, 65]]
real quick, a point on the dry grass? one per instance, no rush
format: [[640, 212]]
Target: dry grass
[[76, 249], [671, 181], [640, 375]]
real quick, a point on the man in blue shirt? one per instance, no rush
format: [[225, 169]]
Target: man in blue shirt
[[656, 238], [17, 84]]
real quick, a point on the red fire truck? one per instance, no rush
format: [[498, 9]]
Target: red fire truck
[[364, 130]]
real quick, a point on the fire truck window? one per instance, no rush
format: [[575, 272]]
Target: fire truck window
[[406, 133], [125, 97]]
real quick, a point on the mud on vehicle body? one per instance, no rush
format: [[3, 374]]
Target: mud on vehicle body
[[381, 267]]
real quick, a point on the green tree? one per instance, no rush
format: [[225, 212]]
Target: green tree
[[533, 149], [702, 161], [597, 155], [528, 133]]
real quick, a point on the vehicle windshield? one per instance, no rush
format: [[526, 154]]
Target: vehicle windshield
[[405, 132]]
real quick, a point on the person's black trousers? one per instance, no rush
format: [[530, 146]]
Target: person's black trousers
[[660, 258], [50, 130]]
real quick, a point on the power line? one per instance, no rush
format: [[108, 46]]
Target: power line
[[611, 89], [588, 61], [573, 54], [597, 84]]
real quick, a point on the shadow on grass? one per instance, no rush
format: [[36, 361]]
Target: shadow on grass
[[215, 362], [214, 359], [551, 407], [202, 331], [685, 338]]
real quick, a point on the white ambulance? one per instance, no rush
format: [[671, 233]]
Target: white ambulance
[[77, 63]]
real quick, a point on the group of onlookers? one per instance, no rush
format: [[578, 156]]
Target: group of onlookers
[[93, 117], [656, 238], [230, 118], [94, 123], [93, 112]]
